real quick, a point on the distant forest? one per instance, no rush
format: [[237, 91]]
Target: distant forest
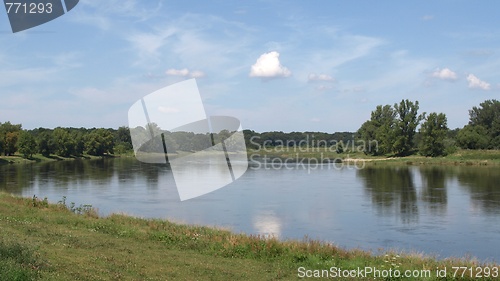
[[393, 128]]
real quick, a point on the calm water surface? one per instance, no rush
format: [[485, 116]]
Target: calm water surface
[[444, 211]]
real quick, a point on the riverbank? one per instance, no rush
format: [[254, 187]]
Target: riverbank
[[315, 155], [318, 155], [19, 159], [56, 242]]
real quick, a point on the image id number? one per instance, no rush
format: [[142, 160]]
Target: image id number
[[31, 8]]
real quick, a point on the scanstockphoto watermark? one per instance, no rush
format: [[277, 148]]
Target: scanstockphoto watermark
[[295, 154], [258, 161], [310, 144], [211, 150]]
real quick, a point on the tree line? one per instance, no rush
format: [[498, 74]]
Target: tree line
[[394, 128], [65, 142]]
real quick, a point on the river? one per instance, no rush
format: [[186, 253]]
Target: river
[[445, 211]]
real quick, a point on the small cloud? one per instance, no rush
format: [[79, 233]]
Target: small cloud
[[268, 66], [315, 119], [320, 77], [476, 83], [427, 17], [184, 73], [166, 109], [444, 74]]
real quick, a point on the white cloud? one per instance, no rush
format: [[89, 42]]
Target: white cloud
[[268, 66], [184, 73], [476, 83], [320, 77], [444, 74]]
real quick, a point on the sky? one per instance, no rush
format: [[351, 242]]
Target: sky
[[275, 65]]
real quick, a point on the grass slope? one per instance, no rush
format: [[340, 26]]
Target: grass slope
[[41, 241], [460, 157]]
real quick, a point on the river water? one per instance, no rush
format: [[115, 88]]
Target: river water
[[437, 210]]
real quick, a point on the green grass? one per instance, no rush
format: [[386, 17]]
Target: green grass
[[18, 262], [42, 241], [19, 159], [460, 157]]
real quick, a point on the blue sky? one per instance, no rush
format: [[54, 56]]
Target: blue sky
[[275, 65]]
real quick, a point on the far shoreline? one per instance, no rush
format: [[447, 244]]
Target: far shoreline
[[459, 158], [316, 155]]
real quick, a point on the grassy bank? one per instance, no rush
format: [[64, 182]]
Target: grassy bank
[[460, 157], [19, 159], [53, 242]]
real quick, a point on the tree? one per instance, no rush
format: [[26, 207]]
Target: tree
[[340, 147], [366, 134], [5, 129], [170, 143], [11, 143], [433, 133], [79, 142], [123, 135], [473, 137], [200, 142], [123, 140], [26, 144], [379, 129], [384, 118], [487, 115], [406, 125], [63, 143], [45, 143], [98, 142]]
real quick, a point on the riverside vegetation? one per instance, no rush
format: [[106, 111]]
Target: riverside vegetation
[[391, 133], [43, 241]]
